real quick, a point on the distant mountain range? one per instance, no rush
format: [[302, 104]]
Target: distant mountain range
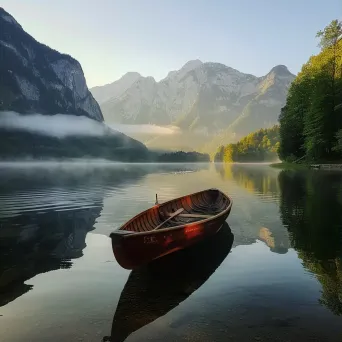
[[207, 99]]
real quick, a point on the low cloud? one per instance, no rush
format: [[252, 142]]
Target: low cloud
[[59, 125], [145, 129], [62, 125]]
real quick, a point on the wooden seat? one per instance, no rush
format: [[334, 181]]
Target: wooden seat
[[202, 216]]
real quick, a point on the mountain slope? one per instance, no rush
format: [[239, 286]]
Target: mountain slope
[[203, 98], [115, 89], [261, 112], [35, 78]]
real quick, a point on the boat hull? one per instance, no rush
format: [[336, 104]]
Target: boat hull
[[136, 250]]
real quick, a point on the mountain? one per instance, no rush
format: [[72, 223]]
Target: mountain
[[211, 99], [36, 78], [115, 89]]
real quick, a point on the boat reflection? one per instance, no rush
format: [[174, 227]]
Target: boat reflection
[[154, 290]]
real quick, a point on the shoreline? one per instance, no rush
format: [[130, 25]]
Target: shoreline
[[293, 166]]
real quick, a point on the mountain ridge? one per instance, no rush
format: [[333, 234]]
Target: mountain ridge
[[211, 99], [166, 101]]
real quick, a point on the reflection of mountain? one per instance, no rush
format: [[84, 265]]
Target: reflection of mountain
[[36, 243], [45, 215], [253, 177], [278, 243], [311, 210], [46, 212], [92, 173], [153, 291]]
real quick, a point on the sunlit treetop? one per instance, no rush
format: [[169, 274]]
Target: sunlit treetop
[[330, 35]]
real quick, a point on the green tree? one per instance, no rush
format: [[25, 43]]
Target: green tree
[[312, 115], [331, 34], [256, 146]]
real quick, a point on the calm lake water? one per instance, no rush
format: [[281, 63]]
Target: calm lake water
[[273, 273]]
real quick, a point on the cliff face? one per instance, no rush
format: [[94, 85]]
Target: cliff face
[[36, 78]]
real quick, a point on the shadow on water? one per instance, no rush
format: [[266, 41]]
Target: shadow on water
[[153, 291], [45, 215], [311, 209], [37, 243]]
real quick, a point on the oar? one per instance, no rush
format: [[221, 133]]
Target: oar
[[172, 216]]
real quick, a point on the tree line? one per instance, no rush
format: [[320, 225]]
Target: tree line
[[311, 120], [183, 157], [261, 145]]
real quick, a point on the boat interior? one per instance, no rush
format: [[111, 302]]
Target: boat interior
[[187, 209]]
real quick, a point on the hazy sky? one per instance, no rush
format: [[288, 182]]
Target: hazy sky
[[111, 37]]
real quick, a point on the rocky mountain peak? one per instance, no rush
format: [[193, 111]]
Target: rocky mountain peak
[[8, 18], [191, 65], [280, 70]]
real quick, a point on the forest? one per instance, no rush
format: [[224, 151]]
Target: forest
[[311, 121], [183, 157], [258, 146]]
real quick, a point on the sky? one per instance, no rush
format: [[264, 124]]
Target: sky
[[153, 37]]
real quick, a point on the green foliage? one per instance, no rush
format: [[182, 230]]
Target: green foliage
[[312, 116], [330, 35], [338, 146], [258, 146]]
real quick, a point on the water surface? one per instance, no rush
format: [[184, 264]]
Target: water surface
[[274, 272]]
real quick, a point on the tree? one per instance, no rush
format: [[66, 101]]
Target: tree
[[312, 115], [329, 39], [257, 146], [330, 35]]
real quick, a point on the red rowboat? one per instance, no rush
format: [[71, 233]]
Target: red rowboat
[[155, 289], [169, 227]]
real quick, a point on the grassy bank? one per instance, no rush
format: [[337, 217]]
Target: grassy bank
[[290, 166]]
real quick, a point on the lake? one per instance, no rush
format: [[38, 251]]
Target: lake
[[273, 272]]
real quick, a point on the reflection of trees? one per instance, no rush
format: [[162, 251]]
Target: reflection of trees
[[262, 181], [311, 210], [154, 290], [37, 243], [253, 178]]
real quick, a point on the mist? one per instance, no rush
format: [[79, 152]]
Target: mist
[[63, 125], [145, 129], [59, 125]]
